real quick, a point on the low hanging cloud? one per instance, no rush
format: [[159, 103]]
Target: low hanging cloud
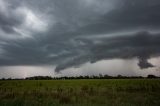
[[70, 33], [141, 45], [143, 63]]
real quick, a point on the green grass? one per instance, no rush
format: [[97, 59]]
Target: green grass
[[114, 92]]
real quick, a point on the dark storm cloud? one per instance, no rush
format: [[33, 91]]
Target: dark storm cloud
[[74, 32], [129, 15], [9, 18]]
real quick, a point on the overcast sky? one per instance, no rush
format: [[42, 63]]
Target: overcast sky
[[79, 37]]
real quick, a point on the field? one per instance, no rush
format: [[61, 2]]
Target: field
[[109, 92]]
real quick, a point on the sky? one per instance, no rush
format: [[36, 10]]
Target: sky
[[79, 37]]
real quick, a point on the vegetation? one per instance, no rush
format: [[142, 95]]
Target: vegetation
[[84, 92]]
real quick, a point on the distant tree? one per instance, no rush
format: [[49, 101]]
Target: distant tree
[[39, 78], [81, 77], [100, 76], [9, 79], [3, 79], [151, 76], [86, 77], [107, 76], [119, 76]]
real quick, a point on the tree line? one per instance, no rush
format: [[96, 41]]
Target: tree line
[[100, 76]]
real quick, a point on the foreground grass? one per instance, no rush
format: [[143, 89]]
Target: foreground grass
[[114, 92]]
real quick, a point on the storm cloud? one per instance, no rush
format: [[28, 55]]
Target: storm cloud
[[69, 33]]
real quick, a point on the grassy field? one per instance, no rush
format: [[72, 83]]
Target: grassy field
[[110, 92]]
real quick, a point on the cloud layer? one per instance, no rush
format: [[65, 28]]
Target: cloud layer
[[70, 33]]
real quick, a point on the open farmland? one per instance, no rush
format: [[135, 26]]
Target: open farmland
[[106, 92]]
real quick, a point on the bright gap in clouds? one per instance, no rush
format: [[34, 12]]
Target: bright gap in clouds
[[33, 22], [25, 71]]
